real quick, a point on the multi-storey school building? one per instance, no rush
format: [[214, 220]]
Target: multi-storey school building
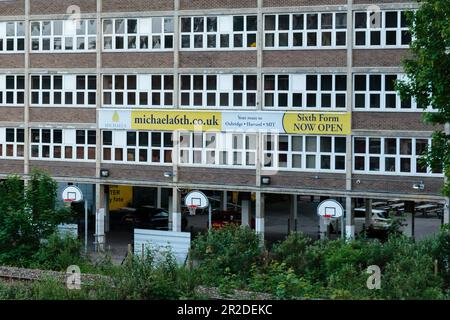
[[257, 96]]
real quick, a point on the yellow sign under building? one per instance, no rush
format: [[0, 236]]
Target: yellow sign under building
[[119, 197]]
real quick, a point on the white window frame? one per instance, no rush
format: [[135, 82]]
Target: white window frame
[[397, 156], [144, 85], [382, 94], [298, 85], [222, 28], [68, 86], [382, 29], [144, 28], [224, 86], [17, 147], [271, 155], [68, 141], [17, 36], [71, 29], [290, 32], [15, 92]]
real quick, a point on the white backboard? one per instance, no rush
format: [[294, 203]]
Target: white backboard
[[330, 209], [72, 194], [197, 198]]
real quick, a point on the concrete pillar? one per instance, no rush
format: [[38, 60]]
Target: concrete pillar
[[259, 208], [107, 215], [246, 216], [349, 219], [176, 210], [293, 213], [224, 201], [158, 197], [100, 204], [447, 211], [368, 220]]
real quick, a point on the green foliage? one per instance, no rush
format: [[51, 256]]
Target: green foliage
[[428, 75], [27, 215], [292, 251], [230, 250], [58, 253]]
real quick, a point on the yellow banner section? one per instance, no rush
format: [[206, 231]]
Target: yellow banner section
[[176, 120], [317, 123], [120, 196]]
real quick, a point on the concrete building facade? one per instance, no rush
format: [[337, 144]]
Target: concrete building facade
[[299, 91]]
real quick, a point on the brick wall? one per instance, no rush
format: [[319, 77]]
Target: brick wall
[[379, 57], [390, 121], [62, 115], [61, 6], [136, 172], [11, 114], [137, 5], [386, 184], [217, 176], [305, 58], [210, 4], [218, 59], [12, 8], [138, 60], [65, 168], [12, 60], [308, 180], [11, 166], [63, 60], [295, 3]]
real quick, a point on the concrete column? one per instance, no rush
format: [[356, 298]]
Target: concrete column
[[246, 216], [368, 220], [224, 201], [349, 219], [107, 216], [293, 213], [100, 204], [447, 211], [158, 197], [176, 210], [259, 208]]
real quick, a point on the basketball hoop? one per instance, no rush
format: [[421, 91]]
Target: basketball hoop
[[192, 209], [68, 200]]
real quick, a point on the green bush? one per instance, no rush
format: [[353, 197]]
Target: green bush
[[230, 250], [292, 251], [58, 253]]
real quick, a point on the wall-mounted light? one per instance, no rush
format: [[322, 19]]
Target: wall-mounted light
[[168, 174], [419, 186], [265, 180], [104, 173], [358, 181]]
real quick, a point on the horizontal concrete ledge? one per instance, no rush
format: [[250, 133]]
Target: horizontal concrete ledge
[[247, 188]]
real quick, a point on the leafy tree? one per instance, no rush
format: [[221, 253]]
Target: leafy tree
[[28, 215], [428, 72]]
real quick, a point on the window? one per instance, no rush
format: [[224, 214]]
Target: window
[[11, 143], [218, 32], [305, 30], [12, 90], [143, 90], [386, 29], [58, 144], [56, 90], [141, 34], [377, 92], [305, 91], [390, 155], [304, 153], [221, 90], [144, 147], [217, 149], [64, 35], [12, 36]]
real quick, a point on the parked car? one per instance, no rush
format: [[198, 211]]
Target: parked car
[[380, 221], [147, 217], [221, 218]]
